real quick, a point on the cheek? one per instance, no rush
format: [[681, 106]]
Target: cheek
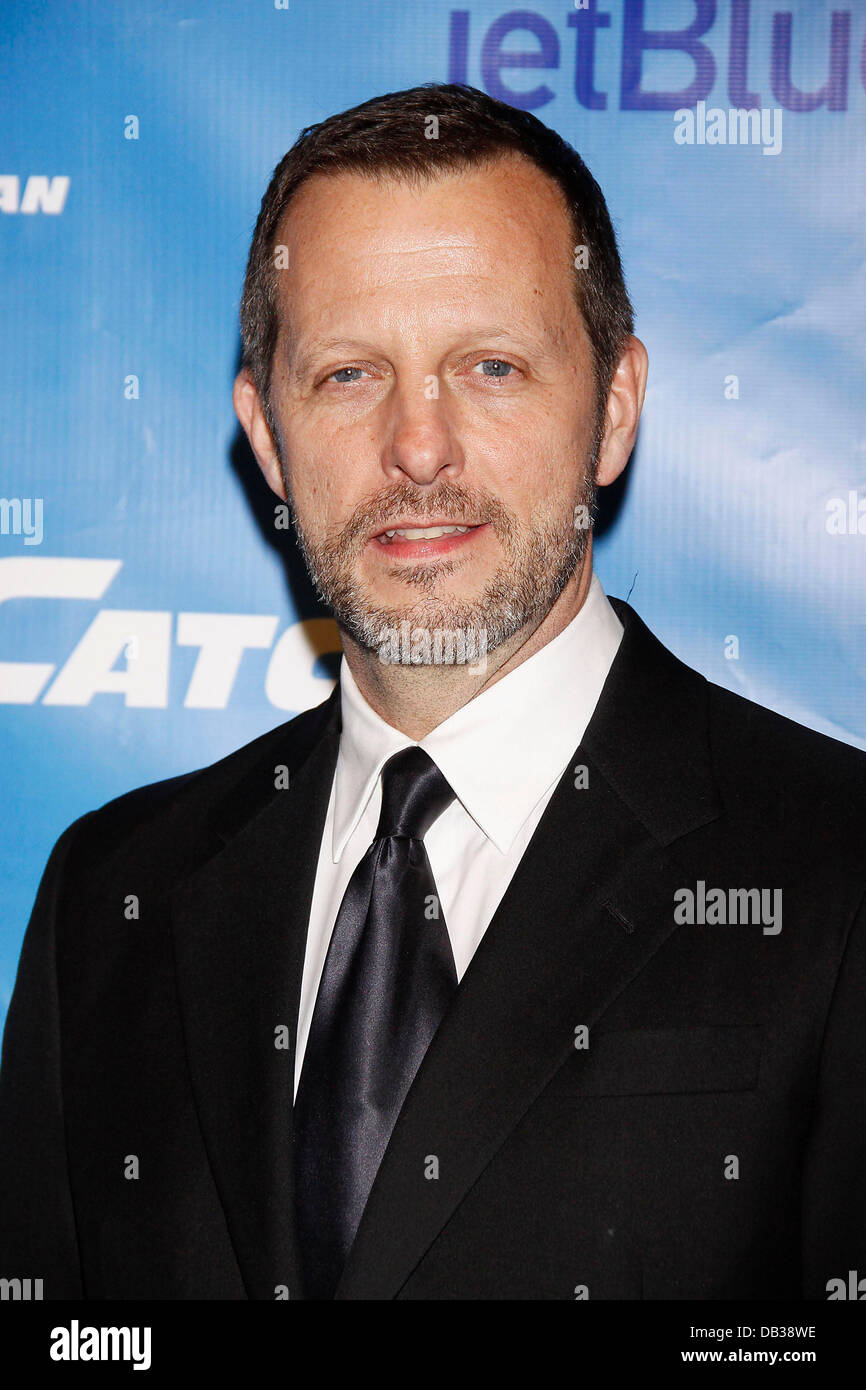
[[533, 471], [324, 475]]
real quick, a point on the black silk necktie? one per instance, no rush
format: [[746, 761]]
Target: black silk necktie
[[388, 978]]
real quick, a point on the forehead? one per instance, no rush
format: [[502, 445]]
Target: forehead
[[501, 231]]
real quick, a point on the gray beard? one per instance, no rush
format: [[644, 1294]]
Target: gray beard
[[538, 564]]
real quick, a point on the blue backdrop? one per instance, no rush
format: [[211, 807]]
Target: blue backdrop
[[149, 620]]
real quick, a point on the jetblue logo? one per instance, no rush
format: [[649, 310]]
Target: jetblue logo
[[606, 58]]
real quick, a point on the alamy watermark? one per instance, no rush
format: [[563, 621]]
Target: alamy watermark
[[736, 126], [22, 516], [77, 1343], [433, 646], [20, 1290], [703, 906]]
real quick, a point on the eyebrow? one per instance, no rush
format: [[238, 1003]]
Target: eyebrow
[[301, 364], [304, 361]]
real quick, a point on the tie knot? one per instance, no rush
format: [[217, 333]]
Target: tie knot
[[414, 794]]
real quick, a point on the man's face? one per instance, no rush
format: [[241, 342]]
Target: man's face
[[432, 367]]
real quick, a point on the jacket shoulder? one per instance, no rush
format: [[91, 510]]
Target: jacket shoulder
[[168, 824], [767, 736], [787, 780]]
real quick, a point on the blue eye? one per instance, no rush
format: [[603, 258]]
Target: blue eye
[[496, 362], [341, 370]]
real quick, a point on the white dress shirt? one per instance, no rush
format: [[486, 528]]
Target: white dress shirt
[[503, 754]]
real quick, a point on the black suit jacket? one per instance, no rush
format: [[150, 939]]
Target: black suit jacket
[[709, 1142]]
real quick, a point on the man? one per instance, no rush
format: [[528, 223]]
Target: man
[[529, 965]]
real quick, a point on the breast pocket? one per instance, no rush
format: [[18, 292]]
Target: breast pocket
[[646, 1061]]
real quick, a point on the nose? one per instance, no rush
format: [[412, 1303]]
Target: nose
[[420, 438]]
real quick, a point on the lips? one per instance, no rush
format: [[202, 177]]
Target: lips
[[418, 540], [430, 532]]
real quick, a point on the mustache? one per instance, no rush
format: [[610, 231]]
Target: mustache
[[459, 504]]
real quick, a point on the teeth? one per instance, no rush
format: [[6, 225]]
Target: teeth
[[427, 533]]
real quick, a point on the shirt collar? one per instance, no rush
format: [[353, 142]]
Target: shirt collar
[[502, 750]]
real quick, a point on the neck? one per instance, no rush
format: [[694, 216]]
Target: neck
[[416, 699]]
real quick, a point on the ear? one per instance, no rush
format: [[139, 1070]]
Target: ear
[[622, 412], [248, 408]]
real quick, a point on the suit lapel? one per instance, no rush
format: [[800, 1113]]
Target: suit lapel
[[239, 930], [589, 905]]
